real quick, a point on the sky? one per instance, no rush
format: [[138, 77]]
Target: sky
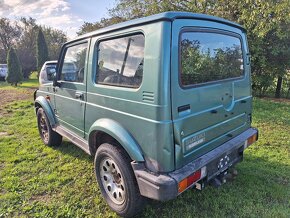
[[66, 15]]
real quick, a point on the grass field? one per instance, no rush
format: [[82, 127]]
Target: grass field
[[40, 181]]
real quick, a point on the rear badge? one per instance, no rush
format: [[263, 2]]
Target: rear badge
[[194, 141]]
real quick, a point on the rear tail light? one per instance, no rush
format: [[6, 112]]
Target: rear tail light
[[191, 179], [250, 141]]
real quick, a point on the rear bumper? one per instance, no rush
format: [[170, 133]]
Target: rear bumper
[[165, 186]]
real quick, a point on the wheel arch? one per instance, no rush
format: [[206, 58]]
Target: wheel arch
[[41, 102], [108, 130]]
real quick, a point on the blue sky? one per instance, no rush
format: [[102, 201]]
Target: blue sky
[[67, 15]]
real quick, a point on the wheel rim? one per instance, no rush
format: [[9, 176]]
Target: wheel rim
[[112, 180], [43, 128]]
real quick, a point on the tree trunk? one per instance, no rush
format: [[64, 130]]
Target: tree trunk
[[278, 87]]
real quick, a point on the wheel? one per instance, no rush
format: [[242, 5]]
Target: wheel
[[117, 180], [48, 136]]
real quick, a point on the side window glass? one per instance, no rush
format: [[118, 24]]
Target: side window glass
[[120, 61], [73, 66]]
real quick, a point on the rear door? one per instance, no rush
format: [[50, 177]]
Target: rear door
[[210, 86]]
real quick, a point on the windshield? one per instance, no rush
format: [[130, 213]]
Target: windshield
[[209, 56]]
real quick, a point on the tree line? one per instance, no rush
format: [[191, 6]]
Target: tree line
[[267, 23], [29, 43]]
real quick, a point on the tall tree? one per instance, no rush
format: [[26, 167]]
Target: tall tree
[[54, 39], [26, 47], [41, 49], [14, 68], [268, 24], [9, 35]]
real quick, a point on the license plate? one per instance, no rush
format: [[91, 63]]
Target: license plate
[[223, 162]]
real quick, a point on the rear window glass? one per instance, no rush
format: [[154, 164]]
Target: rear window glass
[[209, 56], [120, 61]]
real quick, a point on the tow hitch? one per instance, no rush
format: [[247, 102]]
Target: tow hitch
[[223, 177]]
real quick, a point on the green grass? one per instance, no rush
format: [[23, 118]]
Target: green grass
[[40, 181]]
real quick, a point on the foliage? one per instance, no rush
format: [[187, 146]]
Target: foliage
[[9, 35], [14, 68], [26, 46], [89, 27], [41, 50], [22, 35], [54, 39], [267, 23]]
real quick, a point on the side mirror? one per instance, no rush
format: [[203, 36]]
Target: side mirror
[[51, 74]]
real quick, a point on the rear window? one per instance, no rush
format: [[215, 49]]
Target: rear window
[[208, 57]]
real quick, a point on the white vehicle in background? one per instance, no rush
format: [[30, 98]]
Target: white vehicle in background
[[47, 72], [3, 71]]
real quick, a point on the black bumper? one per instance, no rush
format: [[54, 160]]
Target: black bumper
[[165, 186]]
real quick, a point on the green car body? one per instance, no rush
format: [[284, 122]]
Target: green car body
[[168, 127]]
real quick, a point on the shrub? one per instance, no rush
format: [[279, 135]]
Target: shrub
[[14, 75]]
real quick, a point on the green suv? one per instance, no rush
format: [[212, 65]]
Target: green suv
[[163, 103]]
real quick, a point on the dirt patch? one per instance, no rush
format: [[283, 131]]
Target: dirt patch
[[283, 100], [2, 165], [44, 197], [3, 134], [8, 96]]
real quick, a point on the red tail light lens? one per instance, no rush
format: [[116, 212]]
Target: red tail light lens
[[191, 179]]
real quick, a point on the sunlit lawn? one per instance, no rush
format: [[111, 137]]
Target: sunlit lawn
[[32, 82], [40, 181]]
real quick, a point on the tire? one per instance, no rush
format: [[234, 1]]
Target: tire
[[112, 166], [48, 136]]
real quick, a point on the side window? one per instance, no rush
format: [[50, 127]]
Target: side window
[[120, 61], [73, 66]]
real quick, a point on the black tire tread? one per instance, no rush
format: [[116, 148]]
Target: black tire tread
[[55, 139], [137, 201]]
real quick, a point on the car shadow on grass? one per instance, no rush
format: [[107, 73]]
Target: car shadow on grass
[[265, 180], [262, 186], [68, 148]]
